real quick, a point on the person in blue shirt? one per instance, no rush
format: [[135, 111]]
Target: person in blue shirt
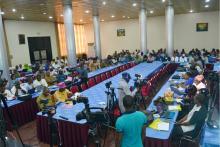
[[61, 77], [189, 79], [130, 126]]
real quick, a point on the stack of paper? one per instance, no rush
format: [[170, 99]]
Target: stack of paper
[[174, 108], [157, 124]]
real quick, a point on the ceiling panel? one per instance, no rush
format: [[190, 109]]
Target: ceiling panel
[[33, 9]]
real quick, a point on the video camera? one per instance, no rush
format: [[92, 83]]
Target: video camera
[[139, 82], [91, 114], [108, 84]]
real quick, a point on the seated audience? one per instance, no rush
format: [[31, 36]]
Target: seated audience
[[51, 80], [61, 77], [192, 122], [62, 94], [199, 82], [28, 85], [17, 90], [39, 82], [45, 99], [183, 58], [83, 72]]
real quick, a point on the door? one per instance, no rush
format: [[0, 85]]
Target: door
[[40, 49]]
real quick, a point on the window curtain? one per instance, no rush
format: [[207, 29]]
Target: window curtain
[[79, 39]]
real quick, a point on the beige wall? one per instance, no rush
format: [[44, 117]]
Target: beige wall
[[185, 35], [20, 53]]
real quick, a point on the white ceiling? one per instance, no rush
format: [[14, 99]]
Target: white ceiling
[[122, 9]]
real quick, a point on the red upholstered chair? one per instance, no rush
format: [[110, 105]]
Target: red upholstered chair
[[91, 82], [103, 77], [74, 89], [116, 71], [108, 75], [83, 86], [113, 72], [98, 79], [128, 65]]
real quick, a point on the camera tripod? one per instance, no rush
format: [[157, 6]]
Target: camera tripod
[[3, 138]]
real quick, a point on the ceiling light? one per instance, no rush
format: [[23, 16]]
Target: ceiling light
[[2, 13], [113, 16], [87, 11], [104, 2], [128, 17], [151, 11], [81, 20], [134, 4], [22, 17], [44, 13], [207, 1], [123, 16], [61, 15], [102, 20], [163, 1], [13, 10], [42, 4], [191, 11], [50, 17], [206, 6]]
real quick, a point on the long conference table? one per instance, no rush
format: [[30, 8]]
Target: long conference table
[[25, 111], [75, 133], [157, 138]]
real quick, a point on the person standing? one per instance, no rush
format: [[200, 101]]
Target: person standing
[[130, 127]]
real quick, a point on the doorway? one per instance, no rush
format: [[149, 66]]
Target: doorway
[[40, 49]]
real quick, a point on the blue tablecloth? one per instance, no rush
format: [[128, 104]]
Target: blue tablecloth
[[164, 135], [102, 70], [96, 94]]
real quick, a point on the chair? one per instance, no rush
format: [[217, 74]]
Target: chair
[[116, 71], [108, 75], [74, 89], [83, 86], [103, 77], [91, 82], [98, 79], [194, 137], [113, 72]]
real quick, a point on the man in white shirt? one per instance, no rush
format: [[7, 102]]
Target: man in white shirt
[[183, 58], [175, 59], [40, 82], [124, 89], [27, 86]]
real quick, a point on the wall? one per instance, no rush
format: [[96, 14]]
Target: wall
[[20, 53], [185, 35]]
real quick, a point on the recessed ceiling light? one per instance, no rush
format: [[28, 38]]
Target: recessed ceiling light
[[2, 13], [22, 17], [113, 16], [104, 2], [61, 15], [206, 6], [13, 10], [50, 17], [42, 4], [81, 20], [207, 1], [44, 13], [128, 17], [102, 20], [163, 1], [123, 16], [191, 11], [87, 11], [134, 4], [151, 11]]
